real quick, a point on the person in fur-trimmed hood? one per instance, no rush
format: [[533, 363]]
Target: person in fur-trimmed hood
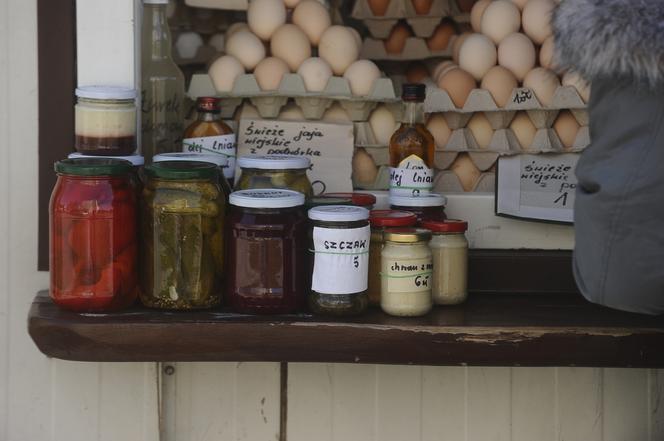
[[618, 46]]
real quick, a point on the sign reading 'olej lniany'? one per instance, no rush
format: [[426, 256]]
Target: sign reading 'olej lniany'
[[540, 187], [329, 146]]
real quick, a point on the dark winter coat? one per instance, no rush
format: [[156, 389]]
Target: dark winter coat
[[618, 45]]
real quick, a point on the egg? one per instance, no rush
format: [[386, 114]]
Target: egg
[[566, 127], [464, 168], [236, 27], [357, 36], [517, 53], [536, 19], [440, 39], [574, 79], [264, 17], [476, 14], [364, 167], [456, 45], [337, 114], [269, 73], [290, 4], [500, 82], [218, 41], [291, 112], [187, 44], [458, 84], [246, 111], [315, 73], [422, 7], [224, 71], [546, 53], [290, 44], [378, 7], [437, 126], [477, 55], [246, 47], [500, 19], [383, 124], [524, 129], [481, 129], [442, 67], [338, 47], [465, 5], [544, 83], [361, 76], [396, 41], [520, 3], [416, 72], [313, 18]]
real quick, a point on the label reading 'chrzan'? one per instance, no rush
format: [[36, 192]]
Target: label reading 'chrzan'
[[411, 178], [408, 275], [218, 145]]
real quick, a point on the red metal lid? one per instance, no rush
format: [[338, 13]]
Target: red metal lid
[[446, 226], [358, 199], [208, 104], [392, 218]]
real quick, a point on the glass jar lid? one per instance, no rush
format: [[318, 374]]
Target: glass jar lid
[[136, 160], [407, 235], [392, 218], [338, 213], [266, 198], [218, 160], [93, 166], [106, 93], [182, 170], [446, 226], [427, 200], [274, 162], [359, 199]]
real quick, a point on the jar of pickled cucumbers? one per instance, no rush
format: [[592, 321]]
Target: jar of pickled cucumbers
[[275, 171], [219, 160], [182, 232]]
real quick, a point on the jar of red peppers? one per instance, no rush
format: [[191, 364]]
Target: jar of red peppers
[[93, 246]]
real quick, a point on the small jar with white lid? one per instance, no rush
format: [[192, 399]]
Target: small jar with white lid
[[105, 120], [407, 267], [450, 261], [219, 160], [275, 171], [426, 207]]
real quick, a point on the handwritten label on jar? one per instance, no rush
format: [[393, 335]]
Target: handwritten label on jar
[[225, 145], [411, 178], [411, 275], [341, 262]]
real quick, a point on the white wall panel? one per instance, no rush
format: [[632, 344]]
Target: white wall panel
[[625, 399], [580, 397], [534, 410]]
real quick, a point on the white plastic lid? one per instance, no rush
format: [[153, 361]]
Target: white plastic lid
[[218, 160], [266, 198], [426, 200], [274, 162], [155, 2], [136, 160], [106, 92], [382, 198], [338, 213]]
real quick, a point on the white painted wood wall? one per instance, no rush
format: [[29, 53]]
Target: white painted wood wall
[[51, 400]]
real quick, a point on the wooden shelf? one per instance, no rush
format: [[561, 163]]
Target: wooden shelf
[[490, 329]]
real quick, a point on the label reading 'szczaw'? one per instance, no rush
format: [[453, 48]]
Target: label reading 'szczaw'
[[411, 178], [218, 145]]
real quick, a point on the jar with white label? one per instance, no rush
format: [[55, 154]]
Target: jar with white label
[[339, 249], [407, 267], [275, 171], [450, 261]]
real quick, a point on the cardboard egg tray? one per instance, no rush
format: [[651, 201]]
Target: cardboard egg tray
[[448, 182], [204, 55], [313, 105], [423, 27], [236, 5], [402, 9], [414, 49]]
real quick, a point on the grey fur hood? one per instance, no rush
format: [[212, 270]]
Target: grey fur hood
[[619, 40]]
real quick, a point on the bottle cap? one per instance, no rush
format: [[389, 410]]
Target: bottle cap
[[136, 160], [274, 162], [392, 218], [182, 170], [413, 92], [360, 199], [446, 226], [93, 166], [106, 93], [266, 198], [407, 235], [208, 104], [338, 213]]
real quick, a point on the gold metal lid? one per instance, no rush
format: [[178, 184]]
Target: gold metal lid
[[407, 235]]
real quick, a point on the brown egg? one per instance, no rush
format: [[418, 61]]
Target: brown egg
[[364, 167], [456, 46], [566, 127], [476, 14], [481, 129], [437, 126], [422, 7], [396, 41], [500, 82], [466, 171], [524, 129], [465, 5], [457, 83], [416, 72], [544, 84], [442, 67], [440, 39], [378, 7]]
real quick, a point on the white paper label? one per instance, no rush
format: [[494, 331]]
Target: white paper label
[[408, 275], [341, 260], [219, 145], [411, 178]]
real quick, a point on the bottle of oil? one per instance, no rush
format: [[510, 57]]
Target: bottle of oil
[[412, 148], [162, 84], [209, 134]]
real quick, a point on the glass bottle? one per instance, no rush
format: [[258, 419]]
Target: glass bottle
[[210, 135], [162, 83], [412, 148]]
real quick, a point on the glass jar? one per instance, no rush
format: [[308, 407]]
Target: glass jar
[[318, 201], [265, 248], [137, 162], [426, 207], [182, 219], [380, 220], [364, 200], [450, 261], [340, 240], [406, 272], [93, 237], [275, 171], [105, 120], [221, 162]]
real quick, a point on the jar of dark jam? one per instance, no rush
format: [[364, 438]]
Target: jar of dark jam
[[340, 240], [266, 239], [428, 207], [364, 200]]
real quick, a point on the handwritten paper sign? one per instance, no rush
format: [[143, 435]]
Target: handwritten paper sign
[[538, 187], [328, 146]]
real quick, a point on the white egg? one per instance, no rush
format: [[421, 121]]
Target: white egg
[[517, 53], [544, 83], [315, 73], [336, 113], [361, 76], [500, 19], [313, 18], [236, 27], [187, 44], [383, 124], [264, 17], [218, 41], [437, 126], [338, 46], [291, 112], [574, 79], [476, 14], [536, 19], [246, 47], [269, 73], [477, 55], [546, 53], [290, 44], [224, 71]]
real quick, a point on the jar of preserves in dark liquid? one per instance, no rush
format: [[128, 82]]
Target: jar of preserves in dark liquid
[[364, 200], [266, 239], [340, 240], [275, 171], [182, 219], [93, 246], [428, 207]]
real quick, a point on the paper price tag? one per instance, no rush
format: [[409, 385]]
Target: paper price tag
[[225, 145]]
